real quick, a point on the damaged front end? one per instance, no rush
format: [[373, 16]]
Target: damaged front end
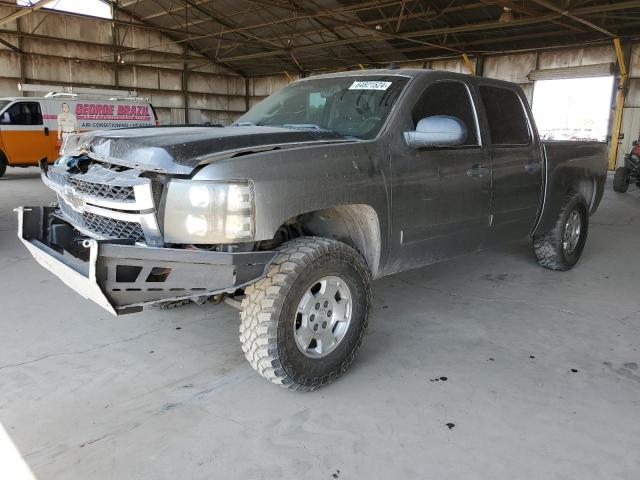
[[103, 240]]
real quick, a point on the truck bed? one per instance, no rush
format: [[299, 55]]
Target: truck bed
[[569, 168]]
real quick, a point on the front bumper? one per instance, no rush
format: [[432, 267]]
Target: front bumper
[[125, 278]]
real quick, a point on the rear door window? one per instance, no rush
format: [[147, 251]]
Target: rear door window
[[508, 125], [22, 113]]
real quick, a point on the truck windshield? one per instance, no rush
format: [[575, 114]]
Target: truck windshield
[[4, 103], [355, 106]]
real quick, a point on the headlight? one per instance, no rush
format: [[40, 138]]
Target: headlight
[[208, 212]]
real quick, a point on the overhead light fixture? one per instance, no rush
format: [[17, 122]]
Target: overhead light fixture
[[506, 16]]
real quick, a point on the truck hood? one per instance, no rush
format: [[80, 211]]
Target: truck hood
[[179, 150]]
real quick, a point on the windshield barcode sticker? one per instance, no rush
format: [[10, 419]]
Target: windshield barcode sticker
[[369, 85]]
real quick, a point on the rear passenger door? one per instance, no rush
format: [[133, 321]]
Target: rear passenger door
[[516, 163], [25, 138]]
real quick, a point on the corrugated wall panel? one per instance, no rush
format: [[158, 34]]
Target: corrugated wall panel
[[573, 57], [10, 62], [451, 65], [512, 68]]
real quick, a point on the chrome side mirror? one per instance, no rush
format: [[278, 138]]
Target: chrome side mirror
[[437, 131]]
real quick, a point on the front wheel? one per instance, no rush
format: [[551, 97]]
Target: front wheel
[[561, 247], [3, 164], [621, 180], [302, 325]]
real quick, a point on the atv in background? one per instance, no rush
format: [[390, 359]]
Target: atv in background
[[630, 173]]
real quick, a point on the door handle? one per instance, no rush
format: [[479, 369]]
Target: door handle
[[477, 171], [46, 131]]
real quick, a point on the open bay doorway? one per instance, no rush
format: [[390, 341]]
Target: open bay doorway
[[573, 108]]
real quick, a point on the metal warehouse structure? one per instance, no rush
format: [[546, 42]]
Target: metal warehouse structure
[[209, 61]]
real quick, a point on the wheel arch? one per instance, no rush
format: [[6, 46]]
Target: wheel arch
[[357, 225], [586, 188], [563, 186]]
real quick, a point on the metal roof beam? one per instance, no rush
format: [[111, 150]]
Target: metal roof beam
[[568, 14], [177, 40], [483, 26], [23, 11]]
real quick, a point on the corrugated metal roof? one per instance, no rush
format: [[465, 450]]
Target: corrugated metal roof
[[268, 36]]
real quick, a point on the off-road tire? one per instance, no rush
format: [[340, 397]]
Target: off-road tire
[[547, 247], [621, 180], [269, 310], [3, 164]]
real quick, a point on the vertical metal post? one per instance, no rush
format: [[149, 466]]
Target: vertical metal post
[[247, 96], [21, 56], [617, 120], [115, 34], [480, 65], [185, 88]]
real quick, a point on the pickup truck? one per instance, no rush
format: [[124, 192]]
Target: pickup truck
[[291, 212]]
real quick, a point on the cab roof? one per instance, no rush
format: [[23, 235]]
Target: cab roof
[[404, 72]]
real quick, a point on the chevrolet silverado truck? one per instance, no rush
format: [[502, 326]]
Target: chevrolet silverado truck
[[291, 212]]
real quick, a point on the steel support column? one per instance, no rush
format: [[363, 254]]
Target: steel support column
[[620, 96]]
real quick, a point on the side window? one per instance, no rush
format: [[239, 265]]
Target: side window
[[23, 113], [448, 98], [506, 116]]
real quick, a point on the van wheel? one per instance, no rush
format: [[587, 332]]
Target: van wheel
[[303, 323], [3, 164], [621, 180], [561, 247]]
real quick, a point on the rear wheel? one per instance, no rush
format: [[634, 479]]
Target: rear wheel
[[621, 180], [561, 247], [302, 325]]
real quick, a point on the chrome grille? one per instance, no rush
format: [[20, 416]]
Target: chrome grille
[[108, 203], [97, 190], [105, 227], [124, 194]]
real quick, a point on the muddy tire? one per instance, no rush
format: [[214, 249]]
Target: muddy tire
[[561, 247], [303, 323], [3, 164], [621, 180]]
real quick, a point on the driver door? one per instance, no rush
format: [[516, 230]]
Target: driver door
[[441, 195]]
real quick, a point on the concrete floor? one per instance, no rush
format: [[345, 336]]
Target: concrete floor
[[542, 377]]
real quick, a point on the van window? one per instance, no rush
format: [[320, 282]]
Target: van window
[[451, 99], [506, 116], [22, 113]]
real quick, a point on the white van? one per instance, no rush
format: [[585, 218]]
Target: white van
[[33, 128]]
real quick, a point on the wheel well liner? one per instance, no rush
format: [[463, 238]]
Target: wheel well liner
[[356, 225], [585, 187]]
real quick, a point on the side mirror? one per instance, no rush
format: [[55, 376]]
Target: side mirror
[[634, 143], [5, 119], [437, 131]]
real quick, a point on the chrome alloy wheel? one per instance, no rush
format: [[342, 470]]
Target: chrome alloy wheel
[[572, 230], [323, 317]]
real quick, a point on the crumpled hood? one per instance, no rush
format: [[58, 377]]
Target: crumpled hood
[[179, 150]]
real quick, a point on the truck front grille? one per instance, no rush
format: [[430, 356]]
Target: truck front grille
[[123, 194], [93, 189], [104, 227]]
